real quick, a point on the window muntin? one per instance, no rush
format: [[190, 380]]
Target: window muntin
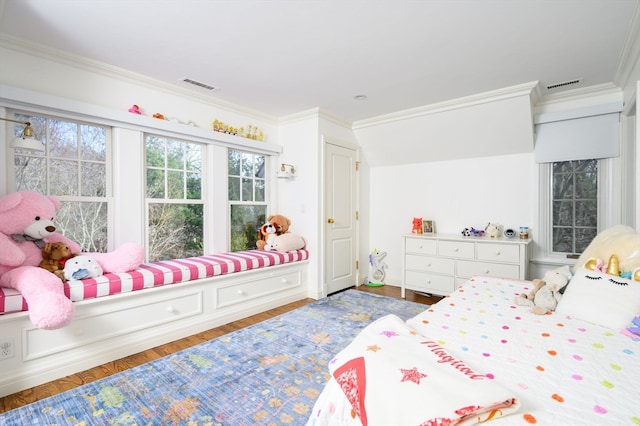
[[175, 206], [74, 167], [574, 205], [247, 194]]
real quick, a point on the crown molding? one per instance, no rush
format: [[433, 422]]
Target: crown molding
[[90, 65], [630, 52], [524, 89]]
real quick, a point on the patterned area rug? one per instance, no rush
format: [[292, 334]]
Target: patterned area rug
[[269, 373]]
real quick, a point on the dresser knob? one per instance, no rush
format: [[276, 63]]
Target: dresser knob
[[284, 281], [240, 292], [455, 250], [170, 309], [486, 271], [497, 252], [428, 265]]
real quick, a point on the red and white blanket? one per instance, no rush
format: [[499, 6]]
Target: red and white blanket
[[392, 375]]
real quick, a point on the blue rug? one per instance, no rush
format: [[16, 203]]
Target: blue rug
[[269, 373]]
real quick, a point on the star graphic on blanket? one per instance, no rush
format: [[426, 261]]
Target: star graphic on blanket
[[373, 348], [389, 333], [413, 375]]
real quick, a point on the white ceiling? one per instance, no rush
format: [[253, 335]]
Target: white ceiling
[[281, 57]]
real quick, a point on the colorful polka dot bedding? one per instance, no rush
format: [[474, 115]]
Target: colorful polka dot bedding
[[556, 369]]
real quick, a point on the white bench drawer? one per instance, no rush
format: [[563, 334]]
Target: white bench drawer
[[244, 291], [116, 322]]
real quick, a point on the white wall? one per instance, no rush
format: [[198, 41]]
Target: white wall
[[455, 194]]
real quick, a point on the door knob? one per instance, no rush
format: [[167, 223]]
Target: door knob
[[330, 220]]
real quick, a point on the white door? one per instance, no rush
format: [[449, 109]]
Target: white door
[[340, 219]]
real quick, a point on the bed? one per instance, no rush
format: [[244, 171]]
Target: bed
[[552, 369]]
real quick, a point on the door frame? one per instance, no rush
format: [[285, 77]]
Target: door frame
[[324, 140]]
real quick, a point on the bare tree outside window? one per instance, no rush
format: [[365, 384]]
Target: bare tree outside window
[[73, 168], [174, 198], [247, 198], [575, 205]]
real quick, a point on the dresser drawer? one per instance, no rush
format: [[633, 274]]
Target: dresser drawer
[[468, 269], [148, 312], [239, 292], [458, 249], [438, 265], [429, 283], [499, 252], [421, 246]]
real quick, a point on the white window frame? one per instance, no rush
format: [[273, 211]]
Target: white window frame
[[607, 209], [108, 199]]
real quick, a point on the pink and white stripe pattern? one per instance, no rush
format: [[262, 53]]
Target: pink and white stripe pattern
[[160, 273]]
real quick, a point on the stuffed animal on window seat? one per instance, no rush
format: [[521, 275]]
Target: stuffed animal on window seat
[[279, 224], [26, 226]]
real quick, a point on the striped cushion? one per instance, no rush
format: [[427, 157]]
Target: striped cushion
[[160, 273]]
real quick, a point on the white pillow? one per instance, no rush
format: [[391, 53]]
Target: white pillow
[[602, 299]]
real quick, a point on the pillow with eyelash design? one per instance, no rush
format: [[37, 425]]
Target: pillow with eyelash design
[[602, 299]]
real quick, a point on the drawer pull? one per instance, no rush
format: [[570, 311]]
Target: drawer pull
[[497, 252], [455, 250], [428, 265], [486, 271], [241, 292], [170, 309], [284, 281], [420, 246]]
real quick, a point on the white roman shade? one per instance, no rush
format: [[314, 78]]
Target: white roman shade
[[578, 138]]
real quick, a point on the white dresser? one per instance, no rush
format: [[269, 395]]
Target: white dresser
[[438, 264]]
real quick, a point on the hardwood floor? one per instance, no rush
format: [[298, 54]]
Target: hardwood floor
[[45, 390]]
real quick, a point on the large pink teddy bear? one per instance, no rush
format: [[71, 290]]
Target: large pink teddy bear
[[26, 223]]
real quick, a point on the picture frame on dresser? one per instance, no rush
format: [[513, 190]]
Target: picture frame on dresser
[[428, 227]]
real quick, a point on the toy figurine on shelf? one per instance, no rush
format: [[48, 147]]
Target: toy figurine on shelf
[[135, 109]]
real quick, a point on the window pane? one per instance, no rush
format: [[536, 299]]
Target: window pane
[[92, 143], [175, 180], [575, 205], [63, 177], [84, 223], [234, 163], [155, 183], [234, 189], [28, 173], [93, 179], [247, 189], [69, 169], [194, 186], [155, 152], [245, 224], [260, 190], [175, 231], [63, 139], [175, 157], [247, 196]]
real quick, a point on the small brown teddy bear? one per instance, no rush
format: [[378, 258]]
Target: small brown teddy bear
[[281, 224], [54, 257]]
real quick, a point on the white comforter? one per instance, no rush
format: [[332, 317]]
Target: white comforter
[[556, 370]]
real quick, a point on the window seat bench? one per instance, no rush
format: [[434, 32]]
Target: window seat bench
[[119, 314]]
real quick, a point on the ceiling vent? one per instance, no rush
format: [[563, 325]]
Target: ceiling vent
[[569, 84], [197, 83]]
